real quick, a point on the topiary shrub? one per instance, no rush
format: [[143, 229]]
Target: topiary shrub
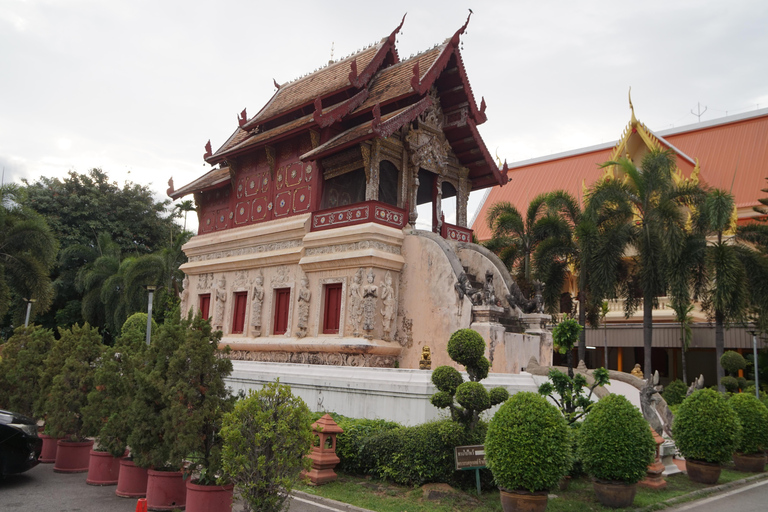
[[21, 367], [730, 383], [528, 446], [706, 428], [753, 416], [266, 439], [742, 383], [674, 392], [732, 362], [615, 441], [466, 400]]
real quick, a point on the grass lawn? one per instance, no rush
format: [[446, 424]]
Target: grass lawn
[[387, 497]]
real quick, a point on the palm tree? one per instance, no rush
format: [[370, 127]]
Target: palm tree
[[642, 212], [28, 251], [185, 206], [515, 238]]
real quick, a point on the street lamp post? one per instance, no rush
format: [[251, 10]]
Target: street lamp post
[[754, 357], [29, 309], [151, 289]]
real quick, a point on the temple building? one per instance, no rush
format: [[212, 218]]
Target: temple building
[[730, 153], [307, 250]]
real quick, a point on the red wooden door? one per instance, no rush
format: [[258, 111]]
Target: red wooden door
[[282, 304], [238, 317], [205, 305], [332, 316]]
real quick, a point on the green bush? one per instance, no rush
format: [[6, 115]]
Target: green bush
[[21, 367], [423, 453], [732, 362], [572, 395], [743, 383], [472, 395], [731, 384], [674, 392], [447, 379], [528, 446], [266, 438], [706, 428], [577, 468], [615, 441], [753, 416], [466, 346], [565, 335]]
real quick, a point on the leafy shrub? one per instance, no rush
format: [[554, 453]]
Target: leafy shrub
[[135, 328], [753, 416], [577, 467], [471, 398], [706, 428], [351, 445], [615, 441], [21, 367], [742, 383], [422, 453], [571, 394], [266, 438], [528, 446], [566, 334], [674, 392], [731, 384], [732, 362]]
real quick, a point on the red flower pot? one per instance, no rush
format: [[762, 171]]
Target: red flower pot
[[209, 498], [103, 468], [72, 457], [166, 490], [48, 455], [131, 481]]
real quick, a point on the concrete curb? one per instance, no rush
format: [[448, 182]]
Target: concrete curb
[[328, 502], [703, 493]]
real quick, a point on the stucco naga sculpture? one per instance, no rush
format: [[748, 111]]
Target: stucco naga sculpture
[[388, 300], [258, 302], [221, 300], [370, 294], [696, 384], [356, 301], [304, 297]]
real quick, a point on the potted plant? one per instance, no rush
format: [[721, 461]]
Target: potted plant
[[68, 396], [615, 446], [528, 450], [151, 446], [108, 410], [267, 438], [753, 416], [197, 400], [705, 430], [21, 369]]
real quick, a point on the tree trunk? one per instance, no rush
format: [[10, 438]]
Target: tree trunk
[[719, 348], [583, 323], [647, 334], [685, 374]]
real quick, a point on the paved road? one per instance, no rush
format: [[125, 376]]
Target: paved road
[[42, 490], [751, 498]]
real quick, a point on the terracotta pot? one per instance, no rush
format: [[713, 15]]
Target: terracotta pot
[[754, 463], [166, 490], [614, 494], [522, 501], [131, 481], [72, 457], [48, 455], [702, 472], [209, 498], [103, 468]]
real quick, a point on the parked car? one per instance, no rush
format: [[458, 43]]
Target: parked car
[[20, 445]]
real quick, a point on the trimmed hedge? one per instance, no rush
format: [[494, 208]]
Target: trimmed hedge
[[706, 428], [615, 442], [674, 392], [753, 416]]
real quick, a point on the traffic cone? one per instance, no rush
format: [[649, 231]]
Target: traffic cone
[[141, 505]]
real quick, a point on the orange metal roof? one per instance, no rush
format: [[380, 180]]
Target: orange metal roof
[[734, 145]]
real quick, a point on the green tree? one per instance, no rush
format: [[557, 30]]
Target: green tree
[[28, 251], [21, 366], [185, 207], [642, 214]]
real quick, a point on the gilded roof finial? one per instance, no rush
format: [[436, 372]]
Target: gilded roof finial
[[633, 122]]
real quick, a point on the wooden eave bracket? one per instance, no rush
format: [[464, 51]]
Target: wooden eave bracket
[[386, 128], [335, 115]]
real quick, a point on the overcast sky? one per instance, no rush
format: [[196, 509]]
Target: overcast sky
[[137, 87]]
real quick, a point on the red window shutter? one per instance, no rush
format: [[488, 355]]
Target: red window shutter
[[282, 304], [332, 316], [205, 305], [238, 318]]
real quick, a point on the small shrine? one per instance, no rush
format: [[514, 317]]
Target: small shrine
[[307, 250]]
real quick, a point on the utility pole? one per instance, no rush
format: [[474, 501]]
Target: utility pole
[[700, 112]]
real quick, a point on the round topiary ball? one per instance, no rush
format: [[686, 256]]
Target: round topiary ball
[[466, 346], [674, 392], [498, 395], [446, 378], [441, 399], [753, 416], [472, 395], [732, 362], [731, 384], [615, 442], [479, 370], [527, 445], [706, 428]]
